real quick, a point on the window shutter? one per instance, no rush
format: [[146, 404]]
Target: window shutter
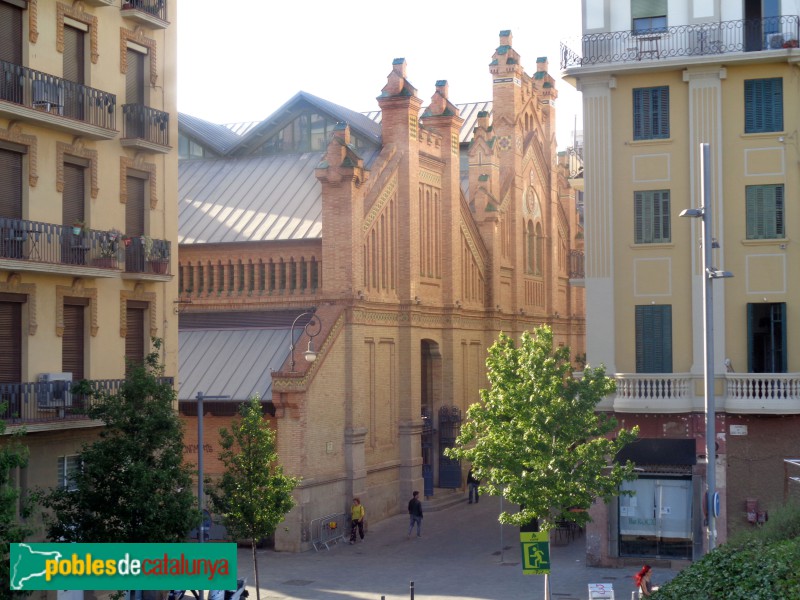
[[73, 57], [72, 341], [134, 78], [134, 206], [11, 340], [134, 336], [73, 196], [10, 184], [10, 34], [653, 338], [763, 105]]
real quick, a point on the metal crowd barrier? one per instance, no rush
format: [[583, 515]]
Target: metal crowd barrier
[[329, 530]]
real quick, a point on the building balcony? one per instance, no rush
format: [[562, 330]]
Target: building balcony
[[42, 99], [147, 259], [145, 128], [702, 40], [150, 13], [739, 393], [48, 248], [52, 404], [577, 268]]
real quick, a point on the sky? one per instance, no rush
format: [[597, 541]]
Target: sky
[[241, 60]]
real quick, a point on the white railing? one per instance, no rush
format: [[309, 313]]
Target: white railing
[[656, 386], [762, 387]]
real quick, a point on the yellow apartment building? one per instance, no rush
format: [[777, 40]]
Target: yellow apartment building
[[658, 80], [88, 212]]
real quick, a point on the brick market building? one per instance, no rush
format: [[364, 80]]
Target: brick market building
[[399, 243]]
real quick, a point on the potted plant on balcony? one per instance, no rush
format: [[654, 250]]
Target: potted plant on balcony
[[109, 249], [156, 253], [78, 226]]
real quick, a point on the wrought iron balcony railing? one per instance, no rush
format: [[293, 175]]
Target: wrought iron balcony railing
[[155, 8], [46, 243], [145, 123], [43, 401], [56, 96], [577, 260], [703, 39]]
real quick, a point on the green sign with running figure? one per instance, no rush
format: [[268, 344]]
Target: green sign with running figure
[[535, 552]]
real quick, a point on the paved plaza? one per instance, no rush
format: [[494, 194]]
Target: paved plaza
[[460, 555]]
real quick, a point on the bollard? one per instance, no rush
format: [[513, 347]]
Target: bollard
[[412, 590]]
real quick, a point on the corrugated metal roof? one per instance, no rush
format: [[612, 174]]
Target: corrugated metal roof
[[247, 199], [219, 137], [468, 112], [241, 128], [249, 356]]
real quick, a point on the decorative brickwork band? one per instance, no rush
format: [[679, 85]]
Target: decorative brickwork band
[[139, 294], [75, 291], [14, 285], [126, 163], [78, 150], [62, 10], [137, 37]]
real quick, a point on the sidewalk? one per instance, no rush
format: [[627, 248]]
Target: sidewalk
[[460, 555]]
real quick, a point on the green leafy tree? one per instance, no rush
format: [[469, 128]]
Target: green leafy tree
[[536, 439], [132, 485], [13, 455], [253, 495]]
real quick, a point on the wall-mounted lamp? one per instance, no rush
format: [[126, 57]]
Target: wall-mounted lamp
[[312, 328]]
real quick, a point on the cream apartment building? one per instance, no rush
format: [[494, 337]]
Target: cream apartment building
[[659, 79], [88, 213]]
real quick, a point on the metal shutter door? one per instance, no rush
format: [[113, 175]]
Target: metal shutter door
[[10, 184], [72, 208], [11, 342], [134, 336]]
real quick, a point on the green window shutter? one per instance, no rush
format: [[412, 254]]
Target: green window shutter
[[653, 325], [651, 113], [764, 212], [651, 217], [763, 105]]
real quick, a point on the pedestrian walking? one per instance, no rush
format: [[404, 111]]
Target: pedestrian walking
[[415, 514], [472, 484], [643, 583], [357, 514]]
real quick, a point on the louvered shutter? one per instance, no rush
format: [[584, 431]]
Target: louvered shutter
[[74, 70], [11, 341], [72, 341], [134, 336], [10, 34], [763, 105], [764, 212], [653, 337], [134, 78], [10, 184], [134, 206], [638, 217], [73, 201]]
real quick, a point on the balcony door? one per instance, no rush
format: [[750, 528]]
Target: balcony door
[[653, 335], [135, 223], [134, 95], [73, 341], [12, 242], [766, 337], [10, 52], [11, 338], [74, 246], [73, 97], [761, 21], [135, 312]]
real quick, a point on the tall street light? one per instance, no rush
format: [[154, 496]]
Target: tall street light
[[313, 327], [709, 274]]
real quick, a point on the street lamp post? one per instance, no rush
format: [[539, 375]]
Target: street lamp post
[[315, 325], [709, 274]]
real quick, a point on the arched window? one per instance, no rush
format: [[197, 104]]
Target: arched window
[[529, 248], [538, 245]]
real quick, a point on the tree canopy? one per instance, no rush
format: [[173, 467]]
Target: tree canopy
[[132, 484], [253, 495], [536, 437], [13, 455]]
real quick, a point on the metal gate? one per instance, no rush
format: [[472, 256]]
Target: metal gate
[[427, 453], [449, 428]]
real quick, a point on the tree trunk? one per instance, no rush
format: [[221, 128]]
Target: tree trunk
[[255, 568]]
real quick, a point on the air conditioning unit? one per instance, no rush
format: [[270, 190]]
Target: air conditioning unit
[[775, 41], [56, 391]]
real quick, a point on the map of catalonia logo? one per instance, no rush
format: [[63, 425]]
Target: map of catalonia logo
[[122, 566]]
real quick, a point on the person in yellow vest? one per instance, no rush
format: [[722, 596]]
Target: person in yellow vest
[[357, 514]]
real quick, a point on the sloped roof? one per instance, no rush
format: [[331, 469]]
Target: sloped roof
[[257, 134], [253, 198], [218, 137], [468, 112], [250, 355]]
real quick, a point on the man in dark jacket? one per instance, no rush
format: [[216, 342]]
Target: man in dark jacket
[[415, 514], [472, 484]]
